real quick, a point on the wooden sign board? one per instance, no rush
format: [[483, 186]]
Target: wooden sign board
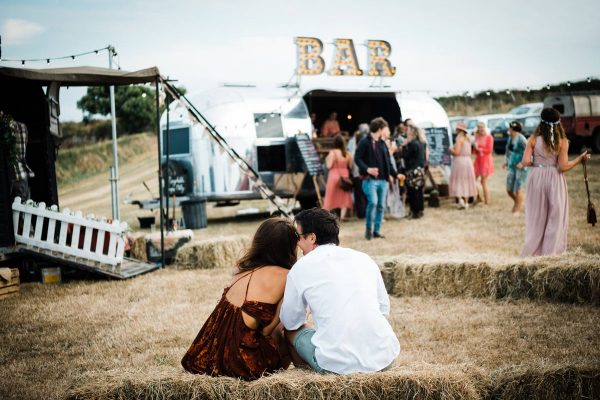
[[439, 146], [309, 154]]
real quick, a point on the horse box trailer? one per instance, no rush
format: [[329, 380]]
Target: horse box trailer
[[262, 126], [580, 116]]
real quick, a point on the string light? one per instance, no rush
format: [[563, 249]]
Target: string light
[[49, 59]]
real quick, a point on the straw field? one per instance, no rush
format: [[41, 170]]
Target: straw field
[[101, 340], [474, 321]]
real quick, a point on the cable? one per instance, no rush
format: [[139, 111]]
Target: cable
[[48, 59]]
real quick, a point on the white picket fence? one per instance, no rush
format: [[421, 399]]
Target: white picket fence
[[84, 243]]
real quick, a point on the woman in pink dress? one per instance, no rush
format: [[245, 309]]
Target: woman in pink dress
[[338, 162], [547, 204], [462, 176], [484, 163]]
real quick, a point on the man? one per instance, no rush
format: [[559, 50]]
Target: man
[[373, 160], [347, 299], [331, 126]]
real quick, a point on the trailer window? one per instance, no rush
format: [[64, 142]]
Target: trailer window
[[268, 125], [299, 111], [179, 141]]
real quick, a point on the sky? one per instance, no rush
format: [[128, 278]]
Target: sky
[[437, 45]]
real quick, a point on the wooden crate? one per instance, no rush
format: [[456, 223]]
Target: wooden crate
[[10, 286]]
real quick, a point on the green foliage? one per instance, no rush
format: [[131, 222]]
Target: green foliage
[[491, 102], [134, 106], [75, 164]]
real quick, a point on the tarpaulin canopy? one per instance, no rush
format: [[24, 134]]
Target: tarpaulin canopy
[[80, 76]]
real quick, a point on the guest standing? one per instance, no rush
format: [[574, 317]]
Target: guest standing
[[547, 204], [462, 176], [331, 126], [338, 163], [484, 163], [373, 160], [515, 177], [360, 200], [414, 158]]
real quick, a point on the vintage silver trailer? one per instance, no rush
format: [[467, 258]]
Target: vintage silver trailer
[[263, 126]]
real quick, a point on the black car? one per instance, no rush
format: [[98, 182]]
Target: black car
[[529, 124], [500, 132]]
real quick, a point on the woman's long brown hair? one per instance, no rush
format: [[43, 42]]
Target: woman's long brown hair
[[340, 143], [274, 243], [551, 135]]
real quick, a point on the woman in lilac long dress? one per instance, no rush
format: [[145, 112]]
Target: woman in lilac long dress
[[462, 176], [547, 204]]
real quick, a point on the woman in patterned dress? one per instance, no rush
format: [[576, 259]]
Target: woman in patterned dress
[[242, 337], [515, 177]]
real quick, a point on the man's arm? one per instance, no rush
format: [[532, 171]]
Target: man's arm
[[293, 308], [382, 296]]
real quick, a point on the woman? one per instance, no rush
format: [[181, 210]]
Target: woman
[[547, 204], [462, 176], [243, 338], [414, 155], [484, 163], [515, 178], [338, 162]]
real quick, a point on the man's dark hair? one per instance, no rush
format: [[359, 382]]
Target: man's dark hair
[[320, 222], [377, 124]]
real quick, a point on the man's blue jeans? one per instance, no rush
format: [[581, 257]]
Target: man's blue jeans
[[375, 190]]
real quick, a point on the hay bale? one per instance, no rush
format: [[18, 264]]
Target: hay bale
[[446, 382], [213, 253], [414, 277], [571, 278], [556, 383], [138, 249]]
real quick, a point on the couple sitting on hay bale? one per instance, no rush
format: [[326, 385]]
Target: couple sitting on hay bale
[[264, 319]]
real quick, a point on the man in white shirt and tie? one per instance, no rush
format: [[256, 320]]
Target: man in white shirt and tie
[[344, 291]]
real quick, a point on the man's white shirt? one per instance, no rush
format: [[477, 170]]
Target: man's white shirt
[[349, 306]]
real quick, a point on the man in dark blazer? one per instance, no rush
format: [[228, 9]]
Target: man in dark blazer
[[376, 169]]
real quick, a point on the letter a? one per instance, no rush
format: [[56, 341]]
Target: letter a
[[309, 57], [379, 65], [344, 59]]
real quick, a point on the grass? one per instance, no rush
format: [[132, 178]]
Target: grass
[[78, 163], [124, 339], [114, 339]]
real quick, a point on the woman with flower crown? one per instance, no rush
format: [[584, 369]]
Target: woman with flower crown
[[547, 204]]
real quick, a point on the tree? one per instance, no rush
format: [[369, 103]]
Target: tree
[[134, 106]]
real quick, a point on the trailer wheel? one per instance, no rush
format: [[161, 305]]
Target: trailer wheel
[[596, 141]]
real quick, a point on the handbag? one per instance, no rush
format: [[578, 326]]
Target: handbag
[[346, 184], [415, 178]]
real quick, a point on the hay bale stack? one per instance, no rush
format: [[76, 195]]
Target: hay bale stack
[[553, 383], [213, 253], [571, 278], [138, 248], [447, 382]]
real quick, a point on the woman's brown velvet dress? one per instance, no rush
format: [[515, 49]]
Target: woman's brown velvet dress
[[227, 346]]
